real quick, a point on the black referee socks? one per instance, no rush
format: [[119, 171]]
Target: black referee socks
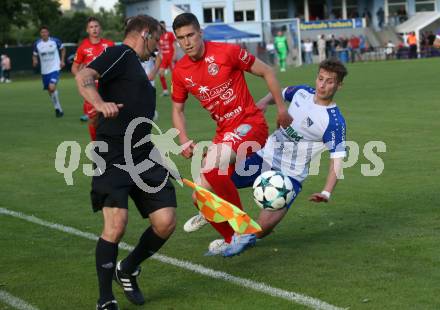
[[149, 243], [106, 254]]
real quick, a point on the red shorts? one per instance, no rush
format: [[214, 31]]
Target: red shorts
[[245, 138], [167, 62], [89, 110]]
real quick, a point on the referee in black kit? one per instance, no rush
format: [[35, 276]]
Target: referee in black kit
[[125, 94]]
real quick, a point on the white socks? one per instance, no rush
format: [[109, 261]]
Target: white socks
[[56, 101]]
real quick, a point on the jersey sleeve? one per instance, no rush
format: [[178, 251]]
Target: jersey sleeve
[[110, 64], [79, 55], [334, 136], [179, 93], [240, 58], [60, 44], [290, 91]]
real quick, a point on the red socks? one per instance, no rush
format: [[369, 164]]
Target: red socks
[[163, 81], [223, 187]]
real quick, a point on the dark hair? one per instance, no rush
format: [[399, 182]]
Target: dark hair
[[44, 27], [185, 19], [92, 19], [140, 22], [336, 66]]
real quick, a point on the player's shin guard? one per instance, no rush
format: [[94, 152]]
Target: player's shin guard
[[223, 186], [163, 82]]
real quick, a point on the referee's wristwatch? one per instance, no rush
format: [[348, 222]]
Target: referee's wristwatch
[[326, 194]]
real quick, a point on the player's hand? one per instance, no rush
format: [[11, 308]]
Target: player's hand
[[284, 119], [188, 150], [108, 109], [318, 197], [62, 64], [34, 63]]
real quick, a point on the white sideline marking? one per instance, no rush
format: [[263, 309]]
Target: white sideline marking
[[311, 302], [15, 302]]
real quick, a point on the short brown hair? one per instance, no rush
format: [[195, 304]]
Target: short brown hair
[[140, 22], [185, 19], [92, 19], [336, 66]]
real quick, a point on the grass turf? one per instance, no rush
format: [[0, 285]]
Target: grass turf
[[374, 246]]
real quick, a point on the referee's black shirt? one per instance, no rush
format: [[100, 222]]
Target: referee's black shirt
[[123, 80]]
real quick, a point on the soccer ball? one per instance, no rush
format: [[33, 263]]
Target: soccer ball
[[273, 190]]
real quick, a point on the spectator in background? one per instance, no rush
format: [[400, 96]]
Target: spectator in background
[[362, 44], [354, 45], [380, 17], [332, 46], [402, 14], [389, 50], [412, 42], [367, 15], [436, 43], [6, 68], [321, 48], [308, 51]]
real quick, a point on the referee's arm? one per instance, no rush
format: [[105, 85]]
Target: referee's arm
[[85, 81]]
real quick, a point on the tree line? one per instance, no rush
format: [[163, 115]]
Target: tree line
[[20, 21]]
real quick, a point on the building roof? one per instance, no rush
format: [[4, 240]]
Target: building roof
[[225, 32], [418, 22]]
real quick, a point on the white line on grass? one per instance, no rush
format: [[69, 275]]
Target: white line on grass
[[311, 302], [15, 302]]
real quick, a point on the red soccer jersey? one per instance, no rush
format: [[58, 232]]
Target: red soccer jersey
[[87, 51], [166, 44], [217, 81]]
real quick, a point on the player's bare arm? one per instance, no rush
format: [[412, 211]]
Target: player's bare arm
[[85, 81], [157, 62], [332, 178], [76, 67], [63, 57], [179, 122], [261, 69], [264, 102], [34, 61]]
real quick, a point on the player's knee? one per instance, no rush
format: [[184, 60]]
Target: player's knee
[[51, 88], [114, 232], [166, 227]]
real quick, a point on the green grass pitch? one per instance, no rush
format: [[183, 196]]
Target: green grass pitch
[[374, 246]]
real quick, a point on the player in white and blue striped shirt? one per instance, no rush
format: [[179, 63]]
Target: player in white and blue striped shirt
[[51, 54], [317, 125]]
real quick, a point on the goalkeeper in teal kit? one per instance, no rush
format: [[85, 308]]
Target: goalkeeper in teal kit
[[282, 49]]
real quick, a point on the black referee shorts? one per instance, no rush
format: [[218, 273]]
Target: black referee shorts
[[113, 188]]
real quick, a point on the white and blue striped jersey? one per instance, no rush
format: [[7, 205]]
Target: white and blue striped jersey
[[48, 54], [314, 129]]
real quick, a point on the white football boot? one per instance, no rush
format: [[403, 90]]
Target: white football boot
[[195, 223]]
